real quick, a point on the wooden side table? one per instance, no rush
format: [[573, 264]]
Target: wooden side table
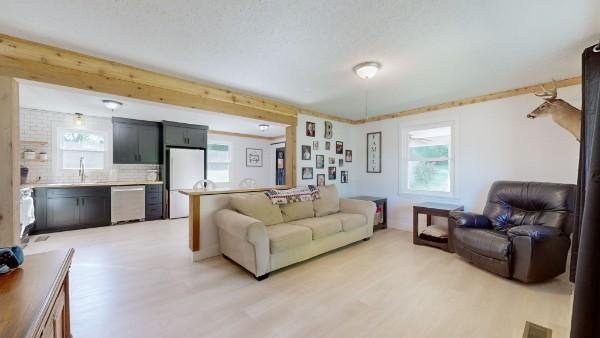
[[381, 204], [432, 209]]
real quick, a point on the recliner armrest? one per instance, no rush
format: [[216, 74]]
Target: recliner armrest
[[463, 219], [536, 232]]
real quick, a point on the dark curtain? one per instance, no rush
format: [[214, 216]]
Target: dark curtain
[[585, 254]]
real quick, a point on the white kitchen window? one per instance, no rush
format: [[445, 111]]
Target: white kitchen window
[[427, 160], [219, 162], [74, 144]]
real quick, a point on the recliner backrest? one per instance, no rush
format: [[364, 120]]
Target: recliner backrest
[[512, 203]]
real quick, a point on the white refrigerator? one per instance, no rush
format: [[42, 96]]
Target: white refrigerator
[[186, 167]]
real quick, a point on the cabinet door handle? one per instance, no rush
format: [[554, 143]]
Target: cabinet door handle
[[77, 201], [83, 202]]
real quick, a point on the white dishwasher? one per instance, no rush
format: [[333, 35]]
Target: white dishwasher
[[127, 203]]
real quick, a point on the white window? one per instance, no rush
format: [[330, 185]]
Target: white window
[[219, 162], [74, 144], [427, 165]]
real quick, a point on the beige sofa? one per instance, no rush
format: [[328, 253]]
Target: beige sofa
[[263, 237]]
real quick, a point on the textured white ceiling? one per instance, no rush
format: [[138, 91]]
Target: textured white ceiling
[[67, 100], [303, 51]]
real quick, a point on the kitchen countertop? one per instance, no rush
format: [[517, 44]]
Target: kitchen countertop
[[88, 184]]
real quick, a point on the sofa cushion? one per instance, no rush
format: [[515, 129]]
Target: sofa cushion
[[257, 206], [297, 210], [485, 242], [349, 221], [320, 226], [329, 201], [285, 236]]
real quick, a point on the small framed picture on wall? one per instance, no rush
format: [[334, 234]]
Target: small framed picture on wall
[[339, 147], [306, 154], [310, 129], [320, 180], [307, 173], [320, 161], [344, 176], [348, 156], [332, 171], [327, 145], [340, 162], [331, 161], [328, 130], [254, 157], [315, 145]]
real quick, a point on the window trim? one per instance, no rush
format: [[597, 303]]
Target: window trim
[[229, 163], [57, 150], [451, 122]]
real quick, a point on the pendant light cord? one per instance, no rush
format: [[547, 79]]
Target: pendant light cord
[[366, 98]]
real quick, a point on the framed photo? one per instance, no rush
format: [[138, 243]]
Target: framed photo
[[320, 161], [327, 145], [254, 157], [331, 161], [320, 180], [328, 130], [332, 171], [307, 173], [306, 153], [340, 162], [374, 152], [315, 145], [344, 176], [310, 129], [348, 157], [339, 147]]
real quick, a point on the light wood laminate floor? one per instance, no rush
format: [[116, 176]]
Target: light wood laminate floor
[[137, 280]]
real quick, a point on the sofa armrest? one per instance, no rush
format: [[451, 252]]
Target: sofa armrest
[[242, 226], [365, 208], [244, 240], [463, 219], [537, 232]]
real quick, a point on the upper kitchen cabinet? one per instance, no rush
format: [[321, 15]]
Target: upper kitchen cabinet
[[184, 135], [136, 142]]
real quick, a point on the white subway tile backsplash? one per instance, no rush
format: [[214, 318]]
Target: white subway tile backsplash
[[38, 125]]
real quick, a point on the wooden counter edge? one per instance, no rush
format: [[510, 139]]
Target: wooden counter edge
[[44, 315]]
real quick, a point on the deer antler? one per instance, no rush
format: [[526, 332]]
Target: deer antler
[[548, 94]]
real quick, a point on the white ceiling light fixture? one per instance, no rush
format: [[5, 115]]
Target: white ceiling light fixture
[[263, 127], [112, 104], [367, 70], [78, 119]]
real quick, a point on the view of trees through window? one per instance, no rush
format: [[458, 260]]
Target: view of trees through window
[[429, 155], [218, 162], [78, 144]]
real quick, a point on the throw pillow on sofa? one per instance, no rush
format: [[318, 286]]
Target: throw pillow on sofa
[[296, 211], [257, 206], [329, 203]]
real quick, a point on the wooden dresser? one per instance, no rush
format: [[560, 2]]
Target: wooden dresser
[[34, 299]]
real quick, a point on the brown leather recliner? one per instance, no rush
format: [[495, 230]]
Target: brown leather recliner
[[523, 232]]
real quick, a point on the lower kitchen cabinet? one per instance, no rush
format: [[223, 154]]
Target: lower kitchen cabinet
[[154, 202], [59, 209]]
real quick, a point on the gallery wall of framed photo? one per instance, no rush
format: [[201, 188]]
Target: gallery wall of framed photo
[[325, 153]]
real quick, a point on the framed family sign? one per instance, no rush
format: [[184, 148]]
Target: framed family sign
[[374, 152]]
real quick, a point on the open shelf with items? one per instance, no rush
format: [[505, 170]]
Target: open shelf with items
[[380, 220], [35, 143]]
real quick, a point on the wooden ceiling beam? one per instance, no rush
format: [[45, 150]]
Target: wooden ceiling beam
[[260, 137], [476, 99], [30, 60]]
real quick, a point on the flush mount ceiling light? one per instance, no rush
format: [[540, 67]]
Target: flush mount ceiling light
[[367, 70], [112, 104], [263, 127]]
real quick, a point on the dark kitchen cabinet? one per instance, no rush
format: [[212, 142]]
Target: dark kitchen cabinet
[[60, 209], [136, 142], [154, 201], [184, 135]]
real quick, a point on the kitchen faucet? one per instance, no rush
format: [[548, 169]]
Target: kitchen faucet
[[82, 169]]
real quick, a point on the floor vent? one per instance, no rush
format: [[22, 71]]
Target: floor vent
[[41, 238], [536, 331]]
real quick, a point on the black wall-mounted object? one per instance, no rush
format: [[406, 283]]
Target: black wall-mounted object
[[136, 141], [61, 209]]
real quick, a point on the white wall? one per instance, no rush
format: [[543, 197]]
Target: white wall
[[341, 132], [238, 170], [495, 142]]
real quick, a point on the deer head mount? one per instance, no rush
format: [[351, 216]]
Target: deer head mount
[[564, 114]]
